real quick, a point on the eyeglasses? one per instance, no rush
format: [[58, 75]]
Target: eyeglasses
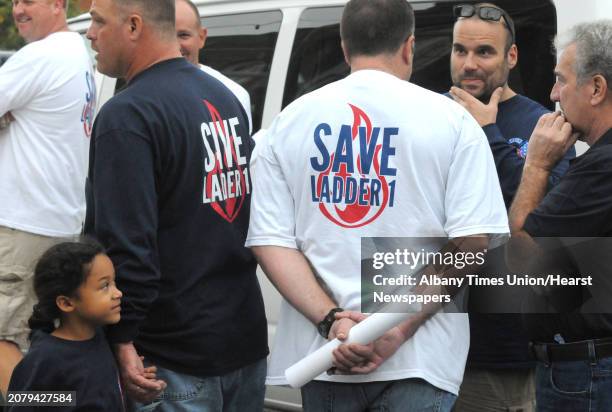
[[485, 13]]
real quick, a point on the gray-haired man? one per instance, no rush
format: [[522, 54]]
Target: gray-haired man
[[574, 350]]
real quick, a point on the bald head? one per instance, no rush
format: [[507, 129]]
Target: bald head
[[35, 20], [506, 21], [194, 11], [190, 34]]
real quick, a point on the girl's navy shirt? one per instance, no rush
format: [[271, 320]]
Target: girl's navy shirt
[[85, 367]]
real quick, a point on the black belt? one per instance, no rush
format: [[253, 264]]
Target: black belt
[[574, 351]]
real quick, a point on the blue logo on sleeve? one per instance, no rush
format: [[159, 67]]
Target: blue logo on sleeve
[[521, 146]]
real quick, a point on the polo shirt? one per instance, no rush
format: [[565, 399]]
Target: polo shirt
[[579, 206]]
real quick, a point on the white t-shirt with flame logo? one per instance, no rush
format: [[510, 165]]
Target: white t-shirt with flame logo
[[372, 156]]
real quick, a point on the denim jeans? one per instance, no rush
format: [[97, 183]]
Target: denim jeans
[[406, 395], [238, 391], [576, 386]]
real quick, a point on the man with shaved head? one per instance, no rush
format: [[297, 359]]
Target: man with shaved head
[[191, 36], [499, 373], [47, 102], [168, 194]]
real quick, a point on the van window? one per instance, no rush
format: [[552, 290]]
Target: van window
[[4, 56], [317, 59], [241, 46], [316, 56]]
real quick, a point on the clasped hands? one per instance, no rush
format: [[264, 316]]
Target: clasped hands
[[354, 358]]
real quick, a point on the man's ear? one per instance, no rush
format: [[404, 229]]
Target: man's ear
[[408, 49], [65, 304], [512, 57], [203, 34], [135, 26], [600, 90], [346, 57], [58, 6]]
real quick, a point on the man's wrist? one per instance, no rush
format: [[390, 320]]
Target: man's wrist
[[483, 122], [536, 169], [324, 326], [122, 345], [409, 326]]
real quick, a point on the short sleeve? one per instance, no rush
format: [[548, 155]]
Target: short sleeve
[[474, 202], [272, 206], [20, 79], [580, 205]]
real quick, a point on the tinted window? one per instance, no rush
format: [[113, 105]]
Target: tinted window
[[241, 46], [317, 57], [4, 56]]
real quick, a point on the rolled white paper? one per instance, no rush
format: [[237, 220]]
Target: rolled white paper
[[368, 330]]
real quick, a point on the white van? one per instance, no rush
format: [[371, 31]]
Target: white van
[[281, 49]]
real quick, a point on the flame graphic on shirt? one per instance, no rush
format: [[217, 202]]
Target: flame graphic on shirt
[[355, 215], [230, 207]]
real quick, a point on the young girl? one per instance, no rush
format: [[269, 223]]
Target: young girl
[[75, 286]]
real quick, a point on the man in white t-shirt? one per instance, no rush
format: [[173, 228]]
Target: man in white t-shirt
[[48, 94], [191, 36], [371, 155]]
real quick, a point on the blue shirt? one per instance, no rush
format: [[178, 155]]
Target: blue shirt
[[509, 141]]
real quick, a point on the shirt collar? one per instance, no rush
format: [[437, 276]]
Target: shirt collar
[[605, 139]]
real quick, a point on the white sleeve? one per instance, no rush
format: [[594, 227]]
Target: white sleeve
[[272, 206], [246, 103], [474, 202], [20, 80]]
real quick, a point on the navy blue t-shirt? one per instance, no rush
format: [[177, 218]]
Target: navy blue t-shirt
[[509, 140], [168, 194], [86, 367]]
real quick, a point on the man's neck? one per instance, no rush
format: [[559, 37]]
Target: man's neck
[[600, 125], [148, 56], [59, 26], [378, 63], [507, 94]]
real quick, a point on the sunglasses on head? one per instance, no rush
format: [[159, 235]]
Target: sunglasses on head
[[485, 13]]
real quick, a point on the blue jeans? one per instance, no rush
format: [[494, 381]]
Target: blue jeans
[[406, 395], [241, 390], [576, 386]]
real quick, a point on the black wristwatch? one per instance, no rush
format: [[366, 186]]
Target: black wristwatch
[[325, 325]]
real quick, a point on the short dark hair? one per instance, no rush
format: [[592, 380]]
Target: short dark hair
[[195, 10], [59, 272], [160, 13], [372, 27]]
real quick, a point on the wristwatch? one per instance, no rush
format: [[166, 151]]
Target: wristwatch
[[325, 325]]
